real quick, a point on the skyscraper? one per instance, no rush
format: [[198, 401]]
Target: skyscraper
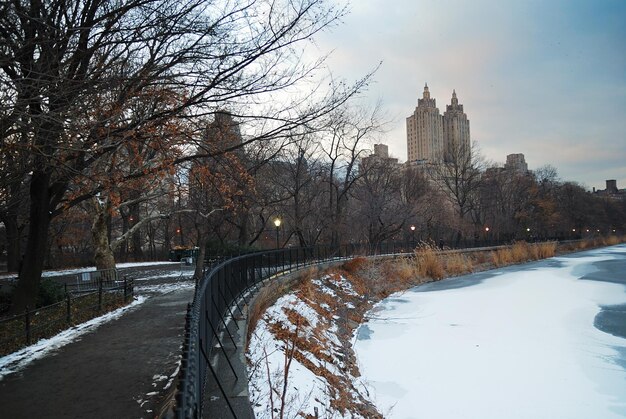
[[425, 130], [432, 137], [456, 132]]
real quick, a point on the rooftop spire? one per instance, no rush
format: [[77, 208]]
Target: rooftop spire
[[426, 92], [455, 101]]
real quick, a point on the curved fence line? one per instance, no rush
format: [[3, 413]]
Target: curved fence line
[[218, 296]]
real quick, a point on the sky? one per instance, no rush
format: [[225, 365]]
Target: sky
[[542, 78]]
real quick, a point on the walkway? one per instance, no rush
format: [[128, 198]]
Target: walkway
[[123, 369]]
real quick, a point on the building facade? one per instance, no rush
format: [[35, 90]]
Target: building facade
[[432, 137], [380, 155], [456, 131], [517, 163]]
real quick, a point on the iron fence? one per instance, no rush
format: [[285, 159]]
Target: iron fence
[[218, 296], [78, 306]]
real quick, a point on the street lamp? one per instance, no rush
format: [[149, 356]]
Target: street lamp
[[413, 234], [277, 224]]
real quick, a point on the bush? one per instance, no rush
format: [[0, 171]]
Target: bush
[[355, 265], [50, 292]]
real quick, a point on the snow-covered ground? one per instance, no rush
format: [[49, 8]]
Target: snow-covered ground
[[315, 367], [519, 344], [60, 272]]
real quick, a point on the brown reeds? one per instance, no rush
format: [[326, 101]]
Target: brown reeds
[[428, 262], [522, 252]]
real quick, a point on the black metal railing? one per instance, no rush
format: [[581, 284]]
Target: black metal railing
[[220, 294], [225, 288], [76, 307]]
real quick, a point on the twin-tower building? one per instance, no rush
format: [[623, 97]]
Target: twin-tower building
[[432, 137]]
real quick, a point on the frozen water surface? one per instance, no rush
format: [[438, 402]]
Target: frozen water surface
[[515, 343]]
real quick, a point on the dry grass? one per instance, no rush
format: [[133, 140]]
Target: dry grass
[[428, 262], [268, 296], [459, 264], [522, 252], [355, 265], [613, 240], [590, 243], [545, 250], [404, 270]]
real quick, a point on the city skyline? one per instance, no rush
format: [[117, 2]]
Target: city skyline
[[544, 79]]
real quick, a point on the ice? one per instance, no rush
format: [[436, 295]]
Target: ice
[[517, 345]]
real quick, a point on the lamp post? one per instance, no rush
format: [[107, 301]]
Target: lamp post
[[486, 235], [413, 235], [277, 224]]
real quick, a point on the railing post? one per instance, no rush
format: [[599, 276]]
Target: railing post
[[69, 309], [27, 324], [100, 296]]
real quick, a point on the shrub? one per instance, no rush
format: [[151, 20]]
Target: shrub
[[355, 265], [50, 292]]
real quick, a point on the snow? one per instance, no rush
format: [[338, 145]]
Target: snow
[[164, 288], [18, 360], [304, 386], [174, 274], [306, 390], [520, 344], [59, 272]]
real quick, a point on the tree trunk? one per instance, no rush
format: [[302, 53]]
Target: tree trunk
[[136, 240], [13, 243], [32, 263], [203, 236], [244, 224], [103, 254], [122, 251]]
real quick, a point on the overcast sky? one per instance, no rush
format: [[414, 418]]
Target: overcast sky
[[543, 78]]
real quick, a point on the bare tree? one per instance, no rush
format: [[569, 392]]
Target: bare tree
[[459, 177], [343, 147], [387, 198], [58, 57]]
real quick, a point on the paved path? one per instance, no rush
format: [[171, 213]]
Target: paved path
[[119, 370]]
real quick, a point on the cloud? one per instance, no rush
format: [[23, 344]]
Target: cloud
[[547, 79]]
